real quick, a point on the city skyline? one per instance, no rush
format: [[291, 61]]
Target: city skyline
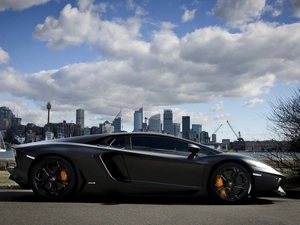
[[184, 129], [212, 60]]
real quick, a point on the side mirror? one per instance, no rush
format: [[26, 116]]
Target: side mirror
[[193, 148]]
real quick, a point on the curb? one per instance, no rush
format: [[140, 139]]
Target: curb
[[4, 187]]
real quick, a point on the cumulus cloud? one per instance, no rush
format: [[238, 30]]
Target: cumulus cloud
[[20, 4], [253, 103], [139, 11], [275, 7], [76, 26], [200, 66], [71, 28], [236, 12], [218, 107], [167, 70], [4, 57], [188, 15]]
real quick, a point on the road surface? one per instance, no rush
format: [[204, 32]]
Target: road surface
[[23, 207]]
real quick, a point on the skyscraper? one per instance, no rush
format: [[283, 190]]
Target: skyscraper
[[154, 123], [80, 118], [198, 129], [177, 130], [138, 120], [185, 127], [117, 123], [204, 138], [168, 122], [6, 117]]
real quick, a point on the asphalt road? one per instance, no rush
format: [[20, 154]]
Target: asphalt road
[[23, 207]]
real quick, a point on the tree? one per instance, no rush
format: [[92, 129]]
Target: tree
[[285, 118]]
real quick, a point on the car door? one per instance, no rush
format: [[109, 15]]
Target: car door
[[162, 161]]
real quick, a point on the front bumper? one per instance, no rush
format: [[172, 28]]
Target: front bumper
[[266, 184], [280, 191], [15, 175]]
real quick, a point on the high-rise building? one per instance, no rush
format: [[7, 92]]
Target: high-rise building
[[16, 121], [117, 123], [64, 130], [80, 118], [214, 138], [193, 136], [177, 130], [204, 138], [138, 120], [198, 129], [106, 127], [6, 117], [168, 122], [185, 127], [154, 123], [4, 124]]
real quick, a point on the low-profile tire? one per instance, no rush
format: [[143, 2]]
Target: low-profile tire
[[53, 178], [230, 183]]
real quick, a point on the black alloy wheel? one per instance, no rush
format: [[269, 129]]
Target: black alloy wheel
[[53, 178], [230, 183]]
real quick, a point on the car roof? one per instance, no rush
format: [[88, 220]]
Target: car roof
[[90, 138]]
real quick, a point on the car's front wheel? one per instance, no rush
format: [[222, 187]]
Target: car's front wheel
[[53, 178], [231, 183]]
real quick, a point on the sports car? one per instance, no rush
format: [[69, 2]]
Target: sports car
[[139, 163]]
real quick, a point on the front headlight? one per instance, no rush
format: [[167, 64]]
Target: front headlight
[[260, 166]]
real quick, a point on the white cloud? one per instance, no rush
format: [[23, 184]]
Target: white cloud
[[253, 103], [218, 107], [167, 70], [130, 4], [195, 2], [139, 11], [167, 25], [188, 15], [75, 26], [203, 65], [276, 7], [4, 57], [71, 28], [237, 12], [20, 4]]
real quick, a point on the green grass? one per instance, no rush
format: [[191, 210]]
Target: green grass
[[4, 181], [5, 162]]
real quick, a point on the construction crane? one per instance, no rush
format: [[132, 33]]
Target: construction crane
[[239, 136], [217, 129]]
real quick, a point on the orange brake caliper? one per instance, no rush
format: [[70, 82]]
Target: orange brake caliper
[[219, 184], [64, 176]]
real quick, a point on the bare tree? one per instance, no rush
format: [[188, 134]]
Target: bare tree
[[285, 118]]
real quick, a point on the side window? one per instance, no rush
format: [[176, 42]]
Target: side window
[[142, 143], [121, 142], [158, 144], [181, 146]]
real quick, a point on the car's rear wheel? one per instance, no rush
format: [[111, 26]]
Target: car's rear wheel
[[53, 178], [231, 183]]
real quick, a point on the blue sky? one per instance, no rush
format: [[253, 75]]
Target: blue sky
[[214, 60]]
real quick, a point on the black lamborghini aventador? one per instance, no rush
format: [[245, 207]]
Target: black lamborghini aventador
[[139, 164]]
